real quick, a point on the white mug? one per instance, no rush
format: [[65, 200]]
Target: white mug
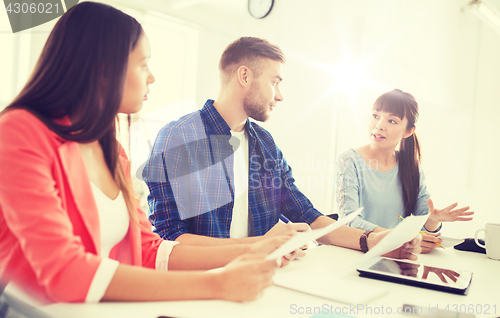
[[491, 240]]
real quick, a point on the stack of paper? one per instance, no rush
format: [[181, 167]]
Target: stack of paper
[[323, 284]]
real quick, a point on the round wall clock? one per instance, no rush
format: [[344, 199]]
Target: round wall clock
[[260, 8]]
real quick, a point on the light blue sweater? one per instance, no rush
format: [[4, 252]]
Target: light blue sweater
[[359, 185]]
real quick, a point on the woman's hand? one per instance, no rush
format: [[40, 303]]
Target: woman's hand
[[268, 245], [428, 240], [407, 251], [448, 214], [245, 278]]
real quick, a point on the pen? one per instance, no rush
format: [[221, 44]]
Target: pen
[[402, 218], [285, 220]]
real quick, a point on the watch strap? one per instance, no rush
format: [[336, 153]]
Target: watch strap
[[362, 241]]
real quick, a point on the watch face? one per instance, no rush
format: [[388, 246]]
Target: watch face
[[260, 8]]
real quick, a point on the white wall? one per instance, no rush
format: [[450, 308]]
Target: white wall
[[484, 173], [436, 50]]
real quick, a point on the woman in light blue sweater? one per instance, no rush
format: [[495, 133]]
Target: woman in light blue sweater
[[385, 177]]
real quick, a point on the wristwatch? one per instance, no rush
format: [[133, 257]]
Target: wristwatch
[[362, 241]]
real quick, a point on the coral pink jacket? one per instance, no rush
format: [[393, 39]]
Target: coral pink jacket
[[49, 224]]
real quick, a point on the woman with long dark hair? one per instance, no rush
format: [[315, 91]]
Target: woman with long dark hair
[[70, 229], [388, 181]]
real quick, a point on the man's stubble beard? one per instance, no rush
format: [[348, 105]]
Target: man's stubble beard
[[254, 105]]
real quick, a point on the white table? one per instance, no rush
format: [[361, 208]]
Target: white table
[[280, 302]]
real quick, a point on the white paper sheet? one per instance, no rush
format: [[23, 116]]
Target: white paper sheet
[[449, 241], [404, 232], [326, 285], [302, 238]]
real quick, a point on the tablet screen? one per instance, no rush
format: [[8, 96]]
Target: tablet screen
[[422, 273]]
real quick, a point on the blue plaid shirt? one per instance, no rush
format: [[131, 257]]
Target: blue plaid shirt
[[191, 180]]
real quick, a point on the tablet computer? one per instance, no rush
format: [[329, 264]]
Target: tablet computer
[[409, 273]]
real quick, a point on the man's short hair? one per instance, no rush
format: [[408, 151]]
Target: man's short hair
[[248, 51]]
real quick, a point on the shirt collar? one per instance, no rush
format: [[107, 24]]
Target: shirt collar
[[249, 129], [218, 124], [214, 119]]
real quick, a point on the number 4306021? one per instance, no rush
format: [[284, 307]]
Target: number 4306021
[[32, 8], [471, 309]]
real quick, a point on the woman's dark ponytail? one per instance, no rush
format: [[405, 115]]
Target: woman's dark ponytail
[[409, 172]]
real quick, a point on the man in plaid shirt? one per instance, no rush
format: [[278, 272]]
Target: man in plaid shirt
[[217, 178]]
